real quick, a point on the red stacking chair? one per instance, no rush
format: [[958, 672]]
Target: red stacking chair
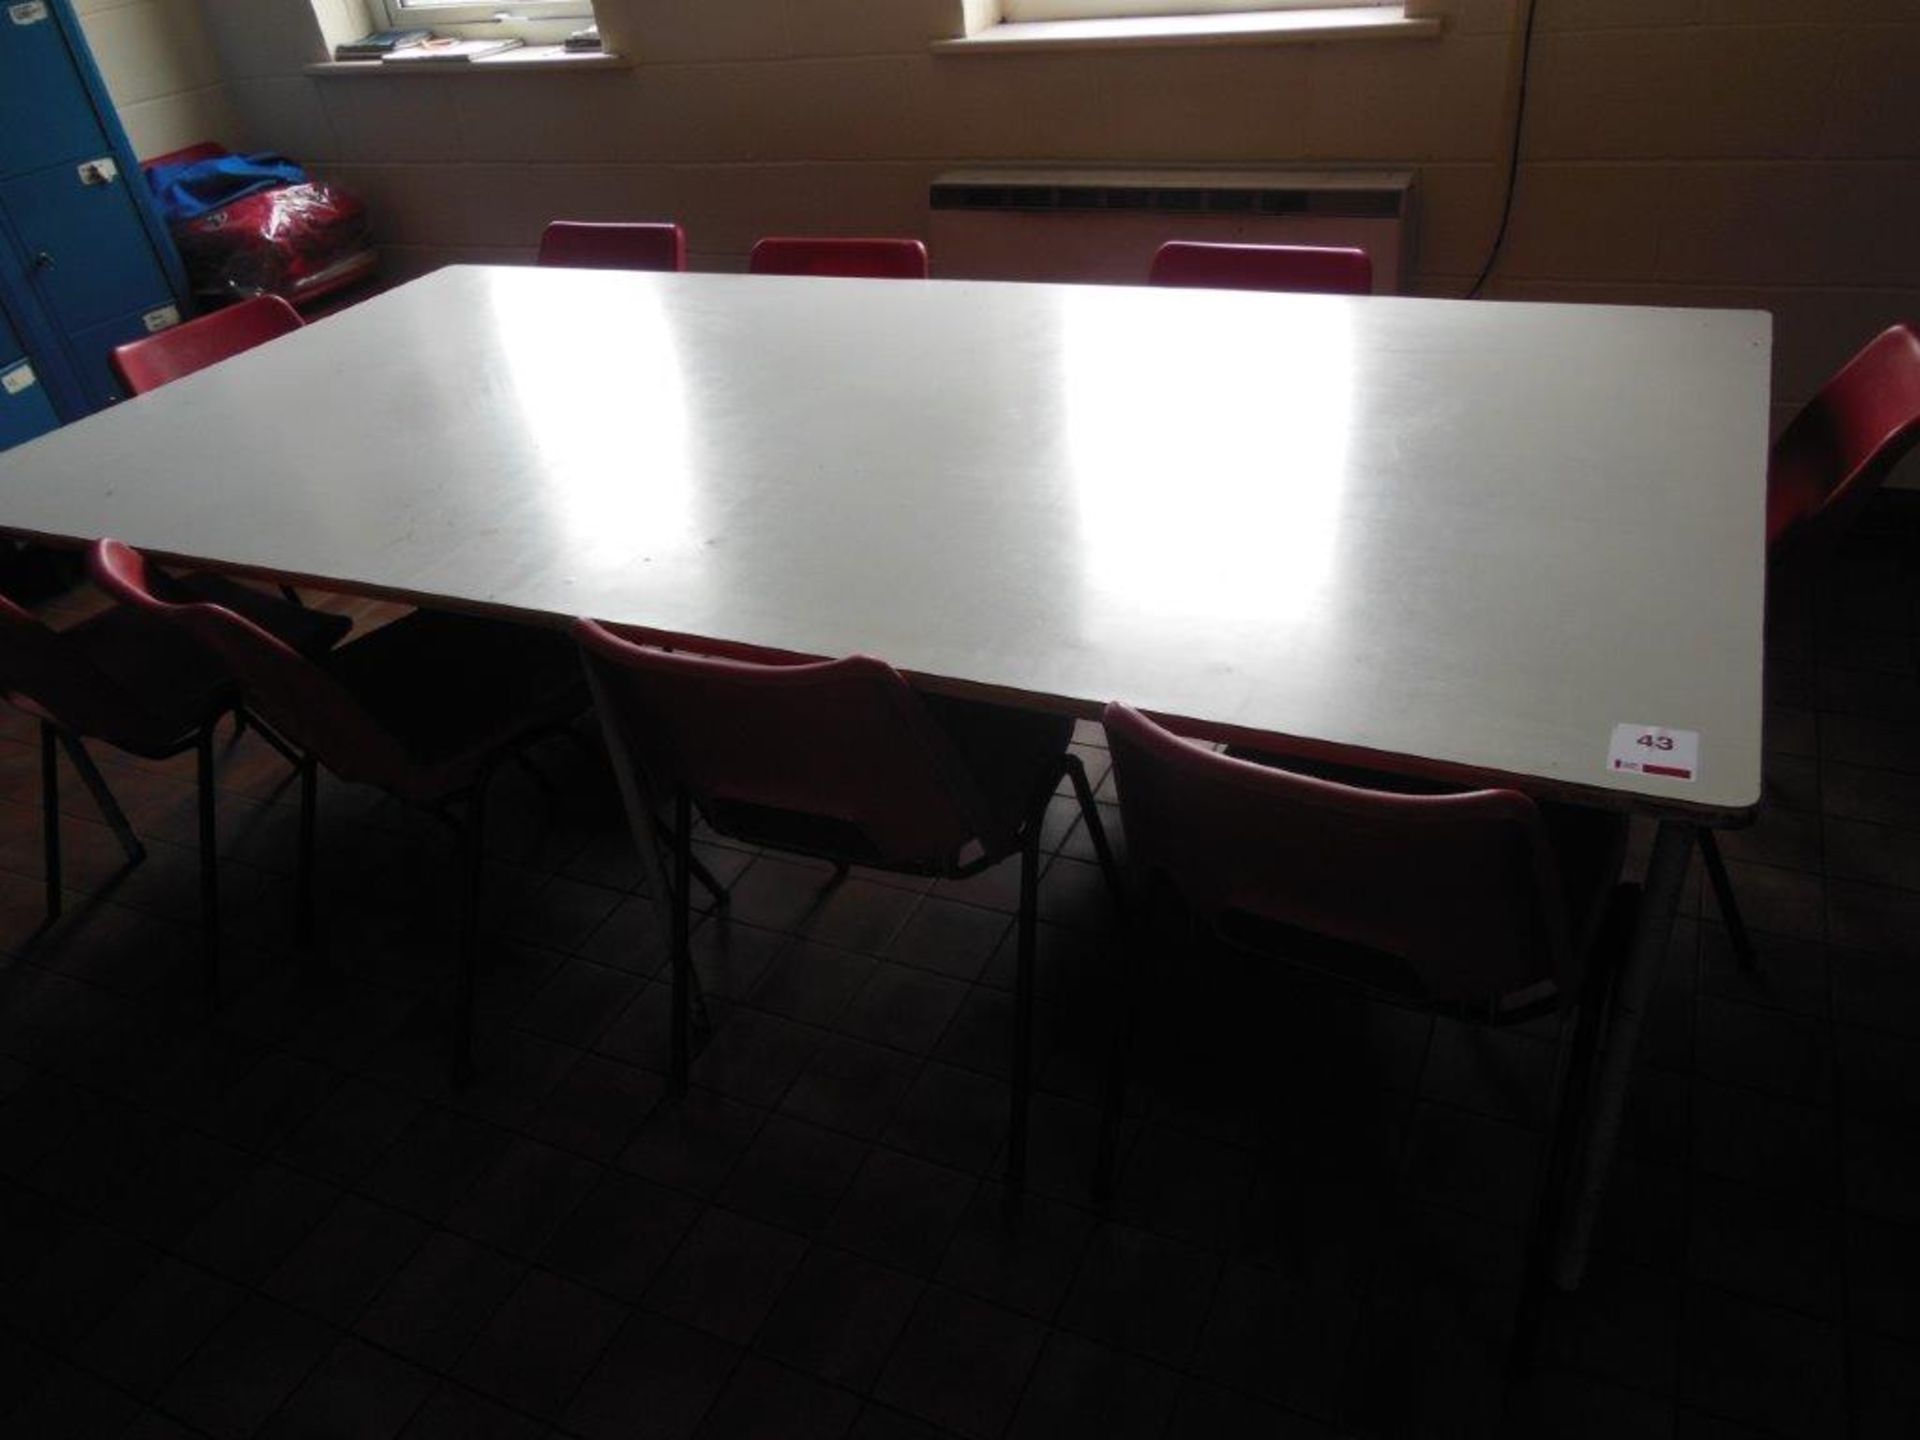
[[581, 245], [425, 708], [1480, 903], [119, 678], [873, 259], [842, 760], [1310, 269], [144, 365], [1826, 464]]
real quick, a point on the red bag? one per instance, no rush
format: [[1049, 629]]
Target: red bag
[[296, 241]]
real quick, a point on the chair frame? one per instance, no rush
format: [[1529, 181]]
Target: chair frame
[[1812, 536], [644, 798], [463, 808], [1577, 1053]]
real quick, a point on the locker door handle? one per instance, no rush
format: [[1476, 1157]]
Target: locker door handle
[[42, 260]]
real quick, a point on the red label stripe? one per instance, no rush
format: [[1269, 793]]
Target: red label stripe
[[1673, 770]]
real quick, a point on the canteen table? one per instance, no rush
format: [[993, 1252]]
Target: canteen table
[[1515, 544]]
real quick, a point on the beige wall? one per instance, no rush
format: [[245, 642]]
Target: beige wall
[[160, 68], [1678, 151]]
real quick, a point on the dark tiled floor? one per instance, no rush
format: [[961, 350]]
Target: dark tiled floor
[[275, 1219]]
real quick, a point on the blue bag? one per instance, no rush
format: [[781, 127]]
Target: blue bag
[[186, 192]]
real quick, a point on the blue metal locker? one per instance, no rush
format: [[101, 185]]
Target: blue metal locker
[[85, 262], [25, 410]]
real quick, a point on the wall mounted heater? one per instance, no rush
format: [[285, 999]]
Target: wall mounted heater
[[1105, 224]]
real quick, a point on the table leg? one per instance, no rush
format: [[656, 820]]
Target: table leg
[[1633, 990]]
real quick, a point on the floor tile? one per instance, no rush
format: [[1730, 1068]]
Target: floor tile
[[358, 1391], [1886, 1388], [793, 1174], [726, 1275], [346, 1260], [1141, 1293], [655, 1380], [765, 1401], [1080, 1389], [247, 1369], [541, 1343], [440, 1299], [452, 1413], [619, 1236], [1763, 1049], [1766, 1247], [1021, 1251], [853, 1087], [961, 1364], [1762, 1365], [692, 1142], [901, 1211], [839, 1318], [517, 1204], [153, 1330]]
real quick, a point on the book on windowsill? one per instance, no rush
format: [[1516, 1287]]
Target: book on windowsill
[[380, 44], [431, 54], [583, 41]]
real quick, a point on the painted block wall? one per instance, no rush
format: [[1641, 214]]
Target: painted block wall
[[1757, 153], [160, 67]]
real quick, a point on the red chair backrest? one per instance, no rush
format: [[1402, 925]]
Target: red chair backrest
[[838, 756], [144, 365], [869, 258], [300, 700], [1463, 888], [582, 245], [1836, 451], [1307, 269]]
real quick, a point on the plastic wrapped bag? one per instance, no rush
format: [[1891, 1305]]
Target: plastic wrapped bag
[[250, 225], [296, 241]]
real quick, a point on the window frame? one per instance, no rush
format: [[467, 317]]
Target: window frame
[[1020, 12]]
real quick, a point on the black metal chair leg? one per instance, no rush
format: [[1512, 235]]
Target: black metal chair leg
[[109, 807], [1729, 905], [472, 854], [209, 861], [50, 814], [303, 881], [1578, 1059], [682, 961], [1023, 1009], [709, 882], [1113, 1102], [1096, 830]]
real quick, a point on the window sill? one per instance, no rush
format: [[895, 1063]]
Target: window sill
[[527, 57], [1251, 27]]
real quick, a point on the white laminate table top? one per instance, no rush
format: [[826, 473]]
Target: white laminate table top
[[1470, 536]]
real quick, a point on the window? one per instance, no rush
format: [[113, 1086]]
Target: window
[[533, 20], [1025, 10]]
